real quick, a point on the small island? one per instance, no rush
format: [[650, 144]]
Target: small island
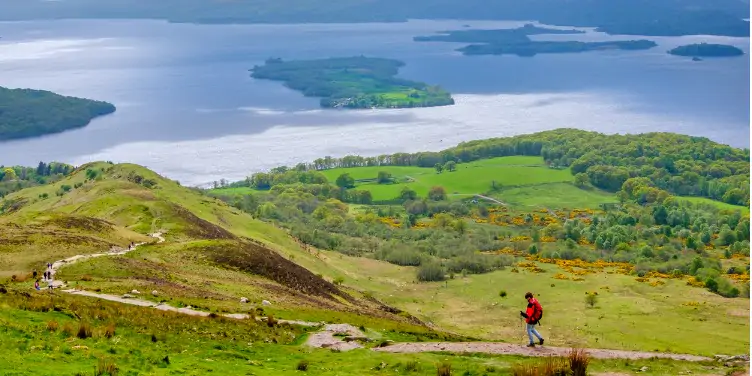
[[517, 42], [353, 82], [706, 50], [28, 113]]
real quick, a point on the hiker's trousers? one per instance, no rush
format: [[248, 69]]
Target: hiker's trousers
[[530, 331]]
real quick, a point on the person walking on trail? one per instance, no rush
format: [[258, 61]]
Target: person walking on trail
[[532, 315], [34, 273], [49, 265], [36, 285]]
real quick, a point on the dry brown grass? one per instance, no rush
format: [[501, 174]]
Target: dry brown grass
[[109, 331], [444, 369], [84, 331], [548, 367], [68, 329], [578, 362], [52, 326]]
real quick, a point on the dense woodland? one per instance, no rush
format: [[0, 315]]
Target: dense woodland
[[28, 113], [355, 82], [16, 178], [706, 49], [635, 17]]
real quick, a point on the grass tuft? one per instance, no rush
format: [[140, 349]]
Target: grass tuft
[[109, 331], [578, 362], [52, 326], [106, 368], [84, 331], [444, 369]]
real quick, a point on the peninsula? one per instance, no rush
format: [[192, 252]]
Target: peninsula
[[28, 113], [353, 82], [706, 50], [517, 42]]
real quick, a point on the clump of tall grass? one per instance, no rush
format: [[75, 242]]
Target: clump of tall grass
[[444, 369]]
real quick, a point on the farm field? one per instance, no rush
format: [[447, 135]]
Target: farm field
[[553, 196], [720, 205], [469, 178]]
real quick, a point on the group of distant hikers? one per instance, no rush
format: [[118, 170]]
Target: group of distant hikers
[[47, 275]]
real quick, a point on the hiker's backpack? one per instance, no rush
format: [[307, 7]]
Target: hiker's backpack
[[537, 312]]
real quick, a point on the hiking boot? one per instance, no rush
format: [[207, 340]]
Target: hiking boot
[[541, 342], [531, 345]]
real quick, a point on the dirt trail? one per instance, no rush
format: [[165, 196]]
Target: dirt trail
[[512, 349], [345, 337]]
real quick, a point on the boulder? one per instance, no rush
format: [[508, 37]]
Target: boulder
[[128, 296], [154, 293], [266, 302], [244, 300], [135, 292]]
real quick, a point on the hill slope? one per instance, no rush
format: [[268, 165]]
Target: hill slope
[[214, 253]]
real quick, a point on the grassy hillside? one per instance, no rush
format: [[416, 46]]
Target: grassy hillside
[[214, 253]]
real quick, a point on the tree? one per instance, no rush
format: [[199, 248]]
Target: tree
[[408, 194], [437, 193], [450, 166], [384, 177], [439, 167], [581, 180], [10, 174], [345, 181], [712, 285]]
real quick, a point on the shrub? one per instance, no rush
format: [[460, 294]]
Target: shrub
[[591, 300], [431, 271], [503, 293], [338, 281], [578, 362], [302, 365], [444, 369], [84, 331], [87, 278]]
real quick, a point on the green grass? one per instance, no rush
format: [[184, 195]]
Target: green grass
[[469, 178], [720, 205], [553, 196], [198, 346], [632, 316]]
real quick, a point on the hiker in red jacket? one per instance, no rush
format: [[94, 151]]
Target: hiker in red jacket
[[532, 316]]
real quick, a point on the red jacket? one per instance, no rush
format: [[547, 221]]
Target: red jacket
[[533, 311]]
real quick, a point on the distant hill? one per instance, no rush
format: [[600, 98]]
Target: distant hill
[[636, 17], [28, 113]]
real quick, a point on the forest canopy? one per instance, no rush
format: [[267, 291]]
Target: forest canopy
[[28, 113], [353, 82]]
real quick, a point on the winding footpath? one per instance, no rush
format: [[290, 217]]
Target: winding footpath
[[345, 337]]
